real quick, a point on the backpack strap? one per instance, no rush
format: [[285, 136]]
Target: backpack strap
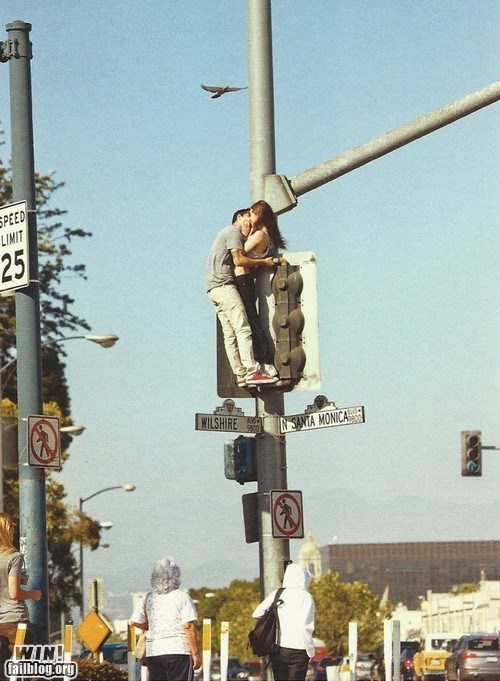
[[275, 605]]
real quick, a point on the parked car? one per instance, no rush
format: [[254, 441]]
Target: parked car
[[407, 668], [364, 665], [321, 666], [429, 661], [116, 653], [235, 670], [255, 668], [475, 656]]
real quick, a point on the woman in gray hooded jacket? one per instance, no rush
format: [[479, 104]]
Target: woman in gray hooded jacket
[[295, 645]]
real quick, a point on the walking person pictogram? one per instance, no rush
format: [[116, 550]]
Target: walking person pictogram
[[286, 510]]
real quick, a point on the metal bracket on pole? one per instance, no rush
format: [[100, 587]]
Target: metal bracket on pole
[[10, 49], [279, 193]]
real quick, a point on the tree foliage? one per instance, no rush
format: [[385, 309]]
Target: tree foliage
[[337, 603], [233, 604], [65, 526], [57, 320]]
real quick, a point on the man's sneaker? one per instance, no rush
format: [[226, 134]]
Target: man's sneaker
[[241, 381], [270, 369], [261, 378]]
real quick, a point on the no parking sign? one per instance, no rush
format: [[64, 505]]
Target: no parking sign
[[44, 444]]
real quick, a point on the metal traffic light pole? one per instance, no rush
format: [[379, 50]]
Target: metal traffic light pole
[[32, 505], [281, 193], [271, 449]]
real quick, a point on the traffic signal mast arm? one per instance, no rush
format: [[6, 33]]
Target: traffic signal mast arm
[[282, 193]]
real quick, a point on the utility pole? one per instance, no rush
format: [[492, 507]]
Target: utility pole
[[271, 448], [32, 509]]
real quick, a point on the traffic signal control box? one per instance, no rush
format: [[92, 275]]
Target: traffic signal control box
[[471, 453], [240, 460]]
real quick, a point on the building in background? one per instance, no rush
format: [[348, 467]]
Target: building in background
[[410, 570], [310, 557], [465, 612]]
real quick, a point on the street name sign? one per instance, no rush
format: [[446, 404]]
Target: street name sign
[[322, 414], [14, 264], [228, 419]]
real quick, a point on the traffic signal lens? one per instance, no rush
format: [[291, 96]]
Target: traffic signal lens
[[473, 454]]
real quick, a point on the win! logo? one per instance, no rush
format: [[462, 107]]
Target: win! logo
[[44, 662]]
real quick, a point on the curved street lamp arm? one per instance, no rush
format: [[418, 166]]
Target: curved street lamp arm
[[106, 489]]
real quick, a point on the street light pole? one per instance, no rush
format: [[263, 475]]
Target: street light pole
[[32, 506], [128, 487]]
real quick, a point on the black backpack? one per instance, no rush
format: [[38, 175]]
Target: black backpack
[[266, 632]]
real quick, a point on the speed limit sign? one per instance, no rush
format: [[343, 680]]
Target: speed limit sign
[[14, 265]]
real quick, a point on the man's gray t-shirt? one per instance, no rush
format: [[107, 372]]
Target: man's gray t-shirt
[[220, 262], [11, 610]]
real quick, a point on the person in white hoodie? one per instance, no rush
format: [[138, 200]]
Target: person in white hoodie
[[295, 645]]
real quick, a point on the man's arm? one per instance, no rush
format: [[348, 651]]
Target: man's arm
[[242, 260]]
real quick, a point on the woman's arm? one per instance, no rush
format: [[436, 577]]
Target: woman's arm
[[142, 626], [255, 240], [190, 630], [242, 260], [19, 594]]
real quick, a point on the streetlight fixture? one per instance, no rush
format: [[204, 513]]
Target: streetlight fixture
[[105, 340], [127, 487], [72, 430], [105, 525]]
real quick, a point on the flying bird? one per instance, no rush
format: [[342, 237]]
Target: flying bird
[[219, 91]]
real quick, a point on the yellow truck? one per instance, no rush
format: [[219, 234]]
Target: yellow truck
[[429, 661]]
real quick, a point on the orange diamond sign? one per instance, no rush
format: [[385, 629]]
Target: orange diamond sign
[[94, 631]]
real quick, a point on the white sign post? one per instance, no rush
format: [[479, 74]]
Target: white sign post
[[14, 263]]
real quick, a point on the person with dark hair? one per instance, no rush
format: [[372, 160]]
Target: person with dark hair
[[169, 616], [263, 241], [226, 253]]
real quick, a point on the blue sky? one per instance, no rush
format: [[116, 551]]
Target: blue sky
[[407, 251]]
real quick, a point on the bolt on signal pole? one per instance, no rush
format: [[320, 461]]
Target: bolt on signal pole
[[32, 506], [271, 449]]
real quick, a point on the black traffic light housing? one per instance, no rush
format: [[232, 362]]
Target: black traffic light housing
[[240, 460], [471, 453], [288, 321]]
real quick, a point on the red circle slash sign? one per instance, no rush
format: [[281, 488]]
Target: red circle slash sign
[[287, 514], [44, 441]]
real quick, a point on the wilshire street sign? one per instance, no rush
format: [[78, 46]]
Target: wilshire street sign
[[229, 419]]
